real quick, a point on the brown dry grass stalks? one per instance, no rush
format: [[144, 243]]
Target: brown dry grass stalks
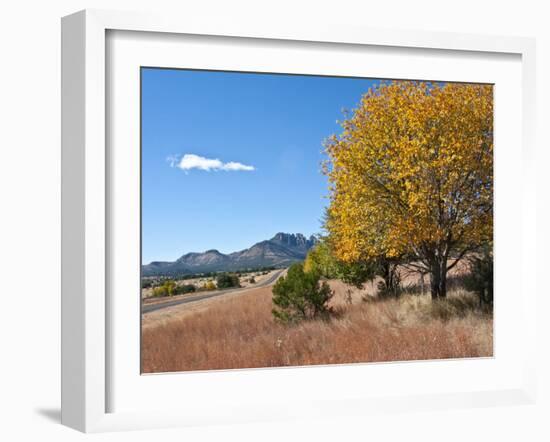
[[241, 333]]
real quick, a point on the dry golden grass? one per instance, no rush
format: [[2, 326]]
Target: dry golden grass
[[241, 333]]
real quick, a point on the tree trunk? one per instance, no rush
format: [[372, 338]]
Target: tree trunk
[[391, 278], [438, 279]]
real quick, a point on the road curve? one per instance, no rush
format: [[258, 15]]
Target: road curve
[[148, 308]]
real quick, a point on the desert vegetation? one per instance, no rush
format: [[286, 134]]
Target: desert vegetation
[[241, 332]]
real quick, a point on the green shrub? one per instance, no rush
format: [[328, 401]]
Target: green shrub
[[185, 288], [252, 280], [300, 295], [227, 280]]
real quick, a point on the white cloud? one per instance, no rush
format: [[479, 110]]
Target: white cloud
[[191, 161], [232, 165]]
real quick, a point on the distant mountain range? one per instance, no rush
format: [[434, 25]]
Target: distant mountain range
[[280, 251]]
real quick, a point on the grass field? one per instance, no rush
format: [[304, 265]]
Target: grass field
[[240, 332]]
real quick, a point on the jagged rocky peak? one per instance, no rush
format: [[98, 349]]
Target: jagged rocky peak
[[293, 240]]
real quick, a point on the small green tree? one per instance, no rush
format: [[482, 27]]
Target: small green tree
[[300, 295], [357, 273], [227, 280]]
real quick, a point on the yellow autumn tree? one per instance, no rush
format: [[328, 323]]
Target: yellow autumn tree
[[411, 174]]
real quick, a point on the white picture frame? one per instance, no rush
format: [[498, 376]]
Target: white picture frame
[[86, 202]]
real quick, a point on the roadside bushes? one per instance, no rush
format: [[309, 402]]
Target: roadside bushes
[[300, 295], [209, 286], [227, 280], [170, 288], [185, 288], [166, 289]]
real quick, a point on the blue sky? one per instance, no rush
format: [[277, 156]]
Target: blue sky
[[230, 159]]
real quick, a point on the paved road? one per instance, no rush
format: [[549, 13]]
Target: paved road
[[148, 308]]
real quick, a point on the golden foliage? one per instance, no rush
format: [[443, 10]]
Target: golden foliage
[[412, 171], [209, 285]]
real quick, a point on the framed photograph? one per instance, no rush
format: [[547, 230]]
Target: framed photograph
[[268, 223]]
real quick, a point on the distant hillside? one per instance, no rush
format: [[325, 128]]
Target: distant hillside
[[280, 251]]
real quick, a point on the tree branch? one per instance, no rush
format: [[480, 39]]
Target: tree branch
[[460, 256]]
